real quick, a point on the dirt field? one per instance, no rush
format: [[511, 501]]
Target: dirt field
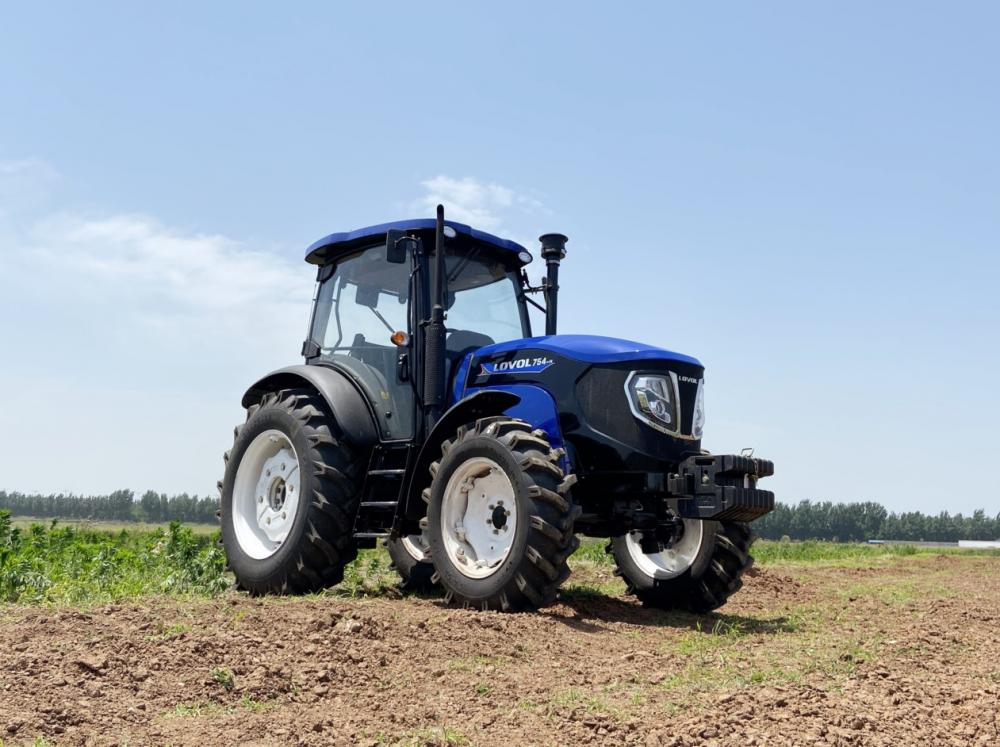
[[896, 652]]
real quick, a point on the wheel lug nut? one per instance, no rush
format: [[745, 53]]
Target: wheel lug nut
[[268, 473], [260, 499], [284, 515], [268, 519], [282, 466]]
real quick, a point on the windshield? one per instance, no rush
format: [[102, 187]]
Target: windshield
[[358, 308], [483, 299]]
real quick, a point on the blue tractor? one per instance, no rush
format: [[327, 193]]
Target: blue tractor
[[428, 416]]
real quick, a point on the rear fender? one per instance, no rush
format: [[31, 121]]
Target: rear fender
[[349, 407]]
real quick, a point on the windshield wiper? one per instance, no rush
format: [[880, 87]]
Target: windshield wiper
[[382, 319], [463, 263]]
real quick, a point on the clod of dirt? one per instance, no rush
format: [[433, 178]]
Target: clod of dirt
[[95, 664]]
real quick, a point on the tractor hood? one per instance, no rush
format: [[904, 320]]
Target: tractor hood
[[589, 348]]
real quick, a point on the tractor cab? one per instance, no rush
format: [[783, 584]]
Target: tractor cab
[[371, 299]]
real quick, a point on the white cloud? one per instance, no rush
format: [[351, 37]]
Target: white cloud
[[134, 341], [168, 271], [487, 206]]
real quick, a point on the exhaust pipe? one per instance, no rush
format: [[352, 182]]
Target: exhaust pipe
[[553, 252], [434, 332]]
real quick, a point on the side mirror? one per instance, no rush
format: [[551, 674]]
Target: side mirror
[[395, 246]]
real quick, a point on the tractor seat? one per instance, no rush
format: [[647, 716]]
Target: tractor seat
[[462, 341], [458, 344]]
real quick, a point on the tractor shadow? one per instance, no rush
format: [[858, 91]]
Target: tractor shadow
[[593, 613]]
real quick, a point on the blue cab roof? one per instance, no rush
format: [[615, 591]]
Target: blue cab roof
[[327, 248]]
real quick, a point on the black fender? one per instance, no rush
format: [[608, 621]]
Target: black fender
[[349, 407], [482, 404]]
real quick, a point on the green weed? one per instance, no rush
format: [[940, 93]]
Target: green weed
[[68, 565], [224, 677]]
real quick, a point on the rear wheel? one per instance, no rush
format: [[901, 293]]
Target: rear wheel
[[500, 519], [412, 560], [696, 570], [289, 497]]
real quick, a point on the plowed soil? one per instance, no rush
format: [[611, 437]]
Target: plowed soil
[[903, 652]]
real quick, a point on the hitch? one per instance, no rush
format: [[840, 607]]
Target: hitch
[[721, 487]]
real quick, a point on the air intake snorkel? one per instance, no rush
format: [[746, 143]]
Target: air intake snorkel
[[553, 252]]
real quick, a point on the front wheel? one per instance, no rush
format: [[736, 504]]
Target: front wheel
[[500, 519], [697, 570]]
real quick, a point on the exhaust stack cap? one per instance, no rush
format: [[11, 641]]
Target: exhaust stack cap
[[553, 246]]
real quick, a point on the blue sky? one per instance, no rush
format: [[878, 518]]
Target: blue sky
[[804, 196]]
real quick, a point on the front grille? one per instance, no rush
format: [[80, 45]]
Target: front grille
[[605, 405]]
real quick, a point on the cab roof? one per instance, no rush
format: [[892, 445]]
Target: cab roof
[[330, 247]]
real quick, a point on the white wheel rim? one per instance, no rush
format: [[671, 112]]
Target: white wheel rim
[[265, 494], [416, 546], [675, 559], [478, 517]]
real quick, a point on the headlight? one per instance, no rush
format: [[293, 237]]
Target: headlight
[[698, 423], [653, 400]]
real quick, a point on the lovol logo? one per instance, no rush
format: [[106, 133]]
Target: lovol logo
[[516, 366]]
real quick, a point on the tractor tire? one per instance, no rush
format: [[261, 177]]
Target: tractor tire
[[289, 497], [412, 562], [698, 575], [500, 517]]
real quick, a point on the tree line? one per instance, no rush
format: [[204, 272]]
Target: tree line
[[859, 522], [120, 505], [822, 520]]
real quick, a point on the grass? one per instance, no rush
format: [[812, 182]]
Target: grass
[[439, 735], [476, 663], [209, 709], [167, 632], [97, 562], [726, 657], [768, 552], [25, 522]]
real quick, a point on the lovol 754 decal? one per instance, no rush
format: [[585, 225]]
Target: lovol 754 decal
[[516, 366]]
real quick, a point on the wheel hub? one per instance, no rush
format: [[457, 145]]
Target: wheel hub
[[266, 494], [276, 494], [670, 558], [478, 517], [499, 517]]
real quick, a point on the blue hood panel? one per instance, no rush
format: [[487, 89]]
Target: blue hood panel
[[589, 348]]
